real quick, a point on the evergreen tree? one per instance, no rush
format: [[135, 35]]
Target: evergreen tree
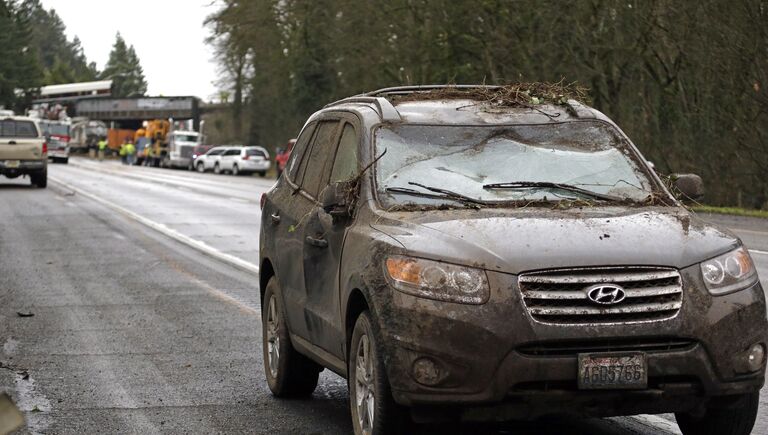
[[20, 71], [124, 69]]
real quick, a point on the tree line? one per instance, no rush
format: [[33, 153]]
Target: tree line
[[687, 81], [35, 51]]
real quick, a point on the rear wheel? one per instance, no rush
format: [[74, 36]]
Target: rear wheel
[[40, 179], [289, 373], [216, 169], [235, 170], [65, 160], [262, 173], [374, 412], [737, 418]]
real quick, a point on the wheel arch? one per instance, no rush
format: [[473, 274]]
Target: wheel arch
[[266, 272], [356, 304]]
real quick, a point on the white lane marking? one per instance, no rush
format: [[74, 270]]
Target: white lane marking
[[756, 251], [764, 233], [163, 229]]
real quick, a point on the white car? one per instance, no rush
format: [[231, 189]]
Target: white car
[[209, 160], [243, 160]]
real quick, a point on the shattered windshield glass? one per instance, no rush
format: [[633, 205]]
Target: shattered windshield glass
[[506, 163]]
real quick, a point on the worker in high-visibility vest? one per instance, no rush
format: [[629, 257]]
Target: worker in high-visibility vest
[[130, 152], [149, 154], [102, 149], [123, 152]]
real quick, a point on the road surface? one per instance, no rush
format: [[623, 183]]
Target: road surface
[[140, 308]]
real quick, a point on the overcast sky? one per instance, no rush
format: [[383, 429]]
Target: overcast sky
[[168, 36]]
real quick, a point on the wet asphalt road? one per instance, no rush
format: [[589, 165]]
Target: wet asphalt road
[[133, 332]]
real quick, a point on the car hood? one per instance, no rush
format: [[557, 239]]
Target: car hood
[[514, 241]]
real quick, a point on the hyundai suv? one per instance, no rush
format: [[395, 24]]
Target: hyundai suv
[[456, 257]]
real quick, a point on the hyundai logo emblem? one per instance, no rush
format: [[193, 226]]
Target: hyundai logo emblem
[[606, 294]]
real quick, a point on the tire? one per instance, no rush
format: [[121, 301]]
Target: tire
[[217, 169], [235, 170], [736, 419], [262, 174], [201, 167], [288, 373], [368, 381], [65, 160], [40, 179]]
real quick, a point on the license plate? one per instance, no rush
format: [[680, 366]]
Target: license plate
[[613, 371], [12, 163]]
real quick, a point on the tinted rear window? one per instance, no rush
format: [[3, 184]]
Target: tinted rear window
[[12, 128], [253, 152]]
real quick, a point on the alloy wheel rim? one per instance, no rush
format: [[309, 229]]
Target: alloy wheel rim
[[273, 339], [365, 390]]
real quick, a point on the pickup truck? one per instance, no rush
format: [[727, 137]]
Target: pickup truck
[[23, 150]]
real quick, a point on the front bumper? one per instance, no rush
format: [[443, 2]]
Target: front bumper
[[58, 154], [486, 365]]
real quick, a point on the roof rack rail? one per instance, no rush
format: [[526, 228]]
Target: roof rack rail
[[404, 90], [578, 109], [385, 109]]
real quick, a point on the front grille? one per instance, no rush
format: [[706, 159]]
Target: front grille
[[185, 150], [560, 296], [573, 348]]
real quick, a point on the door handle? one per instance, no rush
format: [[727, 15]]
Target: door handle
[[275, 218], [320, 243]]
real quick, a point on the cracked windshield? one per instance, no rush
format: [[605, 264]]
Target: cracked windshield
[[401, 217]]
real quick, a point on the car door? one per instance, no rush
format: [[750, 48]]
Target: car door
[[323, 245], [302, 203], [284, 219], [209, 159], [228, 159]]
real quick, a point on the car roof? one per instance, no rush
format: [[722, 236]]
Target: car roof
[[18, 118], [425, 105]]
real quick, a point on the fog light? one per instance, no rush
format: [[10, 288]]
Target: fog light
[[755, 357], [426, 371]]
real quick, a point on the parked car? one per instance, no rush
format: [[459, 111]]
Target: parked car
[[198, 151], [208, 161], [23, 150], [282, 157], [244, 160], [494, 261]]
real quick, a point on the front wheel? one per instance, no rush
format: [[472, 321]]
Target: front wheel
[[374, 412], [289, 373], [216, 169], [201, 167], [235, 170], [737, 418]]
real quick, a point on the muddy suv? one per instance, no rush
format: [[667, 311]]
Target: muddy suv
[[23, 150], [458, 255]]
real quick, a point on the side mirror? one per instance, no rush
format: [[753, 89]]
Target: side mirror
[[336, 199], [689, 187]]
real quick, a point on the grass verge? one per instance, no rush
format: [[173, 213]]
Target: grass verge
[[731, 210]]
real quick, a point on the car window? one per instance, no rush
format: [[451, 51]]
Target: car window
[[296, 157], [255, 152], [317, 172], [232, 152], [345, 164], [13, 128], [215, 152]]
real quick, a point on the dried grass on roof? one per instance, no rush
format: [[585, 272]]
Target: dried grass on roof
[[512, 95]]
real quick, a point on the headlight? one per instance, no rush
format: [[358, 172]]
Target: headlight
[[436, 280], [729, 272]]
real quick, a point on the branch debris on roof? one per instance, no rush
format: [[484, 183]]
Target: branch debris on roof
[[511, 95]]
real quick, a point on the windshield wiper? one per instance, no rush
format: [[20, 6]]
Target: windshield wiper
[[438, 194], [550, 185]]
